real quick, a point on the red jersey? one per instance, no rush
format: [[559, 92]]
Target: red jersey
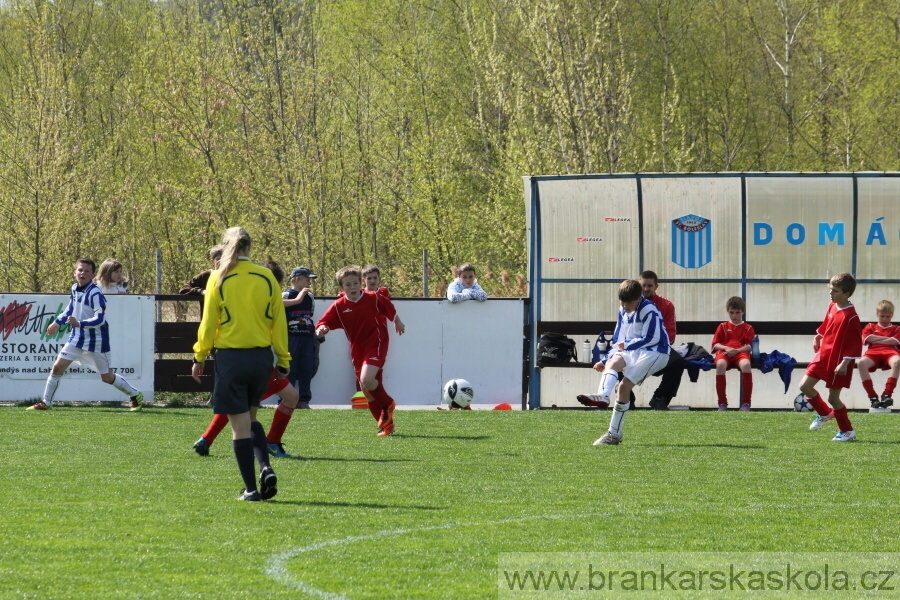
[[881, 350], [733, 336], [841, 339], [360, 320], [667, 310]]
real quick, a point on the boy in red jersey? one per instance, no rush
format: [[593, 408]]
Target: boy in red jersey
[[357, 312], [731, 346], [883, 340], [837, 344]]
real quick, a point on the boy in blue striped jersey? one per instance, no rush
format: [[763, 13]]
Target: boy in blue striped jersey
[[89, 341], [640, 348]]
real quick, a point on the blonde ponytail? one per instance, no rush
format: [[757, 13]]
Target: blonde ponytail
[[235, 242]]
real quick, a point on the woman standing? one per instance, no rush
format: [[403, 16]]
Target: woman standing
[[244, 319]]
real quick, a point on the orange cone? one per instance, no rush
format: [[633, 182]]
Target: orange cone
[[359, 400]]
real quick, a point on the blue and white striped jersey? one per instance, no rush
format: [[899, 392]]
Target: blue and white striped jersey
[[88, 305], [643, 329]]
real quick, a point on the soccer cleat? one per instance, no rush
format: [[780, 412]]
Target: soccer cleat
[[387, 430], [39, 406], [609, 439], [249, 496], [875, 402], [723, 407], [277, 450], [886, 401], [137, 402], [820, 420], [387, 415], [745, 407], [844, 436], [268, 483], [201, 447], [593, 400]]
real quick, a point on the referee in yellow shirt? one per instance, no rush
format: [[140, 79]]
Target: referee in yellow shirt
[[244, 320]]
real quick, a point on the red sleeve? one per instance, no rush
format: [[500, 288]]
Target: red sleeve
[[749, 334], [851, 340], [667, 310], [868, 330], [820, 330], [385, 306], [330, 318], [718, 336]]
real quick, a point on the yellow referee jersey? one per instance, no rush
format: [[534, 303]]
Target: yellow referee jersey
[[245, 311]]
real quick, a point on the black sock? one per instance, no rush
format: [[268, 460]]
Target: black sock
[[243, 452], [260, 445]]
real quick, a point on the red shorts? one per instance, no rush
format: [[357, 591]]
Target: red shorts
[[820, 371], [732, 360], [374, 355], [881, 359], [275, 385]]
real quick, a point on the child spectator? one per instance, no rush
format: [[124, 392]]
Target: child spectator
[[640, 349], [88, 342], [299, 303], [731, 347], [197, 285], [837, 344], [465, 286], [110, 279], [357, 312], [372, 277], [883, 340]]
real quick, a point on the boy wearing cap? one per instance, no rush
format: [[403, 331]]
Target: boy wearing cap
[[299, 305]]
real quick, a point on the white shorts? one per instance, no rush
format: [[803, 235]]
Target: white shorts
[[641, 364], [95, 361]]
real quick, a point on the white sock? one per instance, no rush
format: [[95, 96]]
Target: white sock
[[123, 386], [50, 388], [608, 382], [618, 416]]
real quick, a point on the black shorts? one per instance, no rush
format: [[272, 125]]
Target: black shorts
[[241, 378]]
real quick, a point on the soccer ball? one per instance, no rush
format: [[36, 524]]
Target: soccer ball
[[801, 404], [458, 393]]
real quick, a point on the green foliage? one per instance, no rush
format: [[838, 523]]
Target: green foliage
[[124, 504], [363, 131]]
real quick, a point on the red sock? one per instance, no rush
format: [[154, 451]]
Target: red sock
[[843, 421], [720, 389], [382, 397], [870, 388], [375, 409], [279, 423], [747, 386], [821, 407], [216, 426], [890, 385]]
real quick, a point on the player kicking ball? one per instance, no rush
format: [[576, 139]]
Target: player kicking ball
[[640, 349]]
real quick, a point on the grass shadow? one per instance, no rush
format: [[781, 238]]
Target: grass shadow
[[359, 505], [337, 459], [736, 446], [444, 437]]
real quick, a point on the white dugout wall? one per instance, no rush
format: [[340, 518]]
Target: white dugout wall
[[774, 239]]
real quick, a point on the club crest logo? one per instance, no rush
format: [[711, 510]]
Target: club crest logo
[[691, 241]]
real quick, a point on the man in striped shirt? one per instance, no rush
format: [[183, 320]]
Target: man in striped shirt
[[88, 342]]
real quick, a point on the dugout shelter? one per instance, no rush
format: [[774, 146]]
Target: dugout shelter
[[774, 239]]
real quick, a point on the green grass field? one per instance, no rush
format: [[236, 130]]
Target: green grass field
[[103, 503]]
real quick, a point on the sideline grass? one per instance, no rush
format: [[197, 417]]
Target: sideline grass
[[100, 502]]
